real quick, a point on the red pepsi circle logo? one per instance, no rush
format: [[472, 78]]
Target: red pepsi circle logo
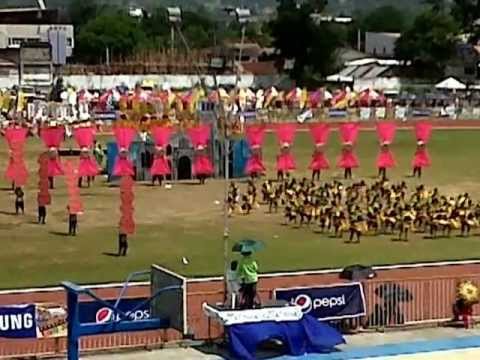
[[305, 302], [103, 315]]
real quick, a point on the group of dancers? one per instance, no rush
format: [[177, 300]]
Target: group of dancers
[[347, 160], [360, 209]]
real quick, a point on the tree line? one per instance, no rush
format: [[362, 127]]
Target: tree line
[[428, 37], [99, 26]]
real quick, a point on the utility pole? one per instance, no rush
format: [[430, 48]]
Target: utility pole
[[107, 56], [359, 39], [174, 17]]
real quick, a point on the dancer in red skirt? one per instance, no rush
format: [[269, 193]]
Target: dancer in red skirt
[[161, 166], [385, 160], [124, 135], [202, 165], [53, 136], [255, 135], [285, 160], [319, 162], [421, 159], [348, 159], [16, 172], [88, 167]]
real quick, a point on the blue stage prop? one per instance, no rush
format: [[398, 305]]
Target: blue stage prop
[[305, 336], [301, 334]]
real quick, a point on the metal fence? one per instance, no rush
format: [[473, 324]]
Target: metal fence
[[413, 301], [393, 303]]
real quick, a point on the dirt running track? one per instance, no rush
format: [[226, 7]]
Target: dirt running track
[[417, 278], [431, 302]]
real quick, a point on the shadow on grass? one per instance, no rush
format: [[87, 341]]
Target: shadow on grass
[[34, 222], [59, 233], [95, 194], [9, 213], [400, 240], [111, 254]]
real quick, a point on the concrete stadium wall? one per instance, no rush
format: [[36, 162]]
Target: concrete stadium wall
[[433, 287]]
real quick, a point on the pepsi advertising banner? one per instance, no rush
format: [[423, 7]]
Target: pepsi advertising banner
[[17, 322], [94, 312], [332, 302]]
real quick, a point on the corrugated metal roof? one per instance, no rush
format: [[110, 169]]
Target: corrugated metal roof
[[360, 71], [347, 71], [375, 71], [7, 63]]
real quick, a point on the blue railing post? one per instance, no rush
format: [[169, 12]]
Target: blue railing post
[[73, 326]]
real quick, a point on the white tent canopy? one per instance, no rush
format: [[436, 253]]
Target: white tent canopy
[[451, 84], [339, 78]]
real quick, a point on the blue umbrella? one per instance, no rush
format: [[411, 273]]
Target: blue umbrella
[[248, 246]]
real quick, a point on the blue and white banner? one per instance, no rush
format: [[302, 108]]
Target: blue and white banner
[[18, 321], [332, 302], [336, 113], [106, 115], [94, 312]]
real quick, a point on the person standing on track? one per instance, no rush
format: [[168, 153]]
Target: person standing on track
[[19, 201], [72, 222], [122, 244]]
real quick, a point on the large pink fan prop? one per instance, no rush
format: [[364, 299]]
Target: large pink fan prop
[[161, 165], [127, 223], [16, 170], [349, 133], [53, 137], [123, 165]]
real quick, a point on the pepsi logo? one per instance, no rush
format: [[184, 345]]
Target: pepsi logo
[[103, 315], [304, 301]]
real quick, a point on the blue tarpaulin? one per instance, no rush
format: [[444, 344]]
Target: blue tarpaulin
[[307, 335]]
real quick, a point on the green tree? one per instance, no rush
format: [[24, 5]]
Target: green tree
[[466, 12], [429, 43], [384, 19], [298, 37], [198, 28], [82, 11], [156, 29], [197, 37], [116, 31], [437, 6]]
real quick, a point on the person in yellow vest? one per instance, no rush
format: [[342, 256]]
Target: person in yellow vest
[[248, 276]]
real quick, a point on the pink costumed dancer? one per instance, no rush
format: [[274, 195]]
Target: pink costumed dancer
[[161, 166], [88, 167], [348, 159], [423, 131], [320, 134], [16, 172], [385, 159], [53, 137], [255, 136], [202, 165], [285, 160], [123, 165]]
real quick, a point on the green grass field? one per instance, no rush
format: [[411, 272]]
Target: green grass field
[[187, 221]]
